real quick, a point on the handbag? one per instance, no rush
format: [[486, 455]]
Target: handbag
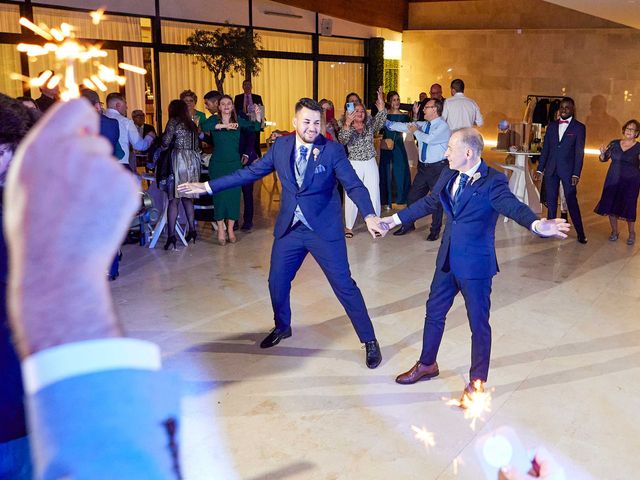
[[387, 144]]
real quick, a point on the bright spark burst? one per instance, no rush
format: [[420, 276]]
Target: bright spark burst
[[425, 436], [475, 404], [68, 52]]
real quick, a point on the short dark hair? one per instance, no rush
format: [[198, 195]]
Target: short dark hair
[[189, 93], [439, 104], [568, 99], [458, 85], [16, 121], [115, 96], [213, 94], [90, 95], [309, 103], [635, 124]]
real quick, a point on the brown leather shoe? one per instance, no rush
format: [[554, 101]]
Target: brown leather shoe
[[472, 387], [418, 372]]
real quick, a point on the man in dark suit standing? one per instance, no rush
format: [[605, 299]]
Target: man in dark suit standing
[[310, 219], [473, 195], [249, 146], [561, 161], [48, 96]]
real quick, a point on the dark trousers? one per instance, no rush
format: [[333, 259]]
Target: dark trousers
[[477, 298], [552, 185], [423, 183], [287, 256], [247, 196]]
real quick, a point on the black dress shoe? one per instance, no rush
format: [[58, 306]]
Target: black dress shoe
[[246, 227], [374, 356], [433, 236], [564, 216], [274, 337], [582, 239], [404, 229]]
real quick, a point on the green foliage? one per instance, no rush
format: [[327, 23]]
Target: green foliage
[[376, 68], [225, 51], [391, 71]]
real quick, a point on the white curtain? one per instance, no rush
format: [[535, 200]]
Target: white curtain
[[135, 87], [337, 79], [341, 46], [9, 63], [284, 42], [177, 33], [114, 27], [281, 83], [9, 16], [178, 72]]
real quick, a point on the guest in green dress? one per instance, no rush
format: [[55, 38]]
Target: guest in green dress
[[395, 176], [224, 129], [191, 99]]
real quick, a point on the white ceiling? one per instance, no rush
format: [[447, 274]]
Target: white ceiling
[[625, 12]]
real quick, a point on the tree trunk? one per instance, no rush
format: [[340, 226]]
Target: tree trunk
[[219, 78]]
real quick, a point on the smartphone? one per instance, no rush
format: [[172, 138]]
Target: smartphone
[[350, 107]]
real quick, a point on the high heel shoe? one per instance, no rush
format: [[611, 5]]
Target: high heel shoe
[[170, 240], [192, 235], [222, 241], [632, 239], [613, 237]]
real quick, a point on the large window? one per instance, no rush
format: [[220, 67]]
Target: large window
[[337, 79], [284, 42], [176, 33], [9, 63], [9, 16], [341, 46]]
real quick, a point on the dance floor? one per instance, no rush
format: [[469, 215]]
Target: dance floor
[[565, 369]]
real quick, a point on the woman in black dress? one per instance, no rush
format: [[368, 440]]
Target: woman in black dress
[[620, 192]]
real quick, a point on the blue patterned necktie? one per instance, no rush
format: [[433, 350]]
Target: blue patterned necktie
[[423, 157], [301, 164], [464, 178]]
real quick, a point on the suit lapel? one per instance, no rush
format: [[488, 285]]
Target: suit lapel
[[466, 194], [319, 144], [289, 145], [445, 197]]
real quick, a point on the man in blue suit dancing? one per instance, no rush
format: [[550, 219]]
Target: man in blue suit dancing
[[472, 195], [310, 219]]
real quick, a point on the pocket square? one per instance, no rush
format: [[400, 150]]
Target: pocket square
[[320, 169]]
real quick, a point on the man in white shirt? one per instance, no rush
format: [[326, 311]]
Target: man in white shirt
[[93, 396], [460, 111], [432, 136], [129, 135]]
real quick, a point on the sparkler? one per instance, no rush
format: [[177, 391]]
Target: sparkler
[[475, 403], [424, 436], [68, 52]]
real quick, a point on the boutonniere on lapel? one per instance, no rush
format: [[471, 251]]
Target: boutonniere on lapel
[[315, 152], [475, 177]]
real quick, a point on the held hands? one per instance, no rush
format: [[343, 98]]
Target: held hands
[[556, 227], [194, 188], [375, 226], [227, 126], [413, 128]]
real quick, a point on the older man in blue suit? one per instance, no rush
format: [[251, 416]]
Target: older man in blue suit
[[310, 219], [472, 195], [561, 161]]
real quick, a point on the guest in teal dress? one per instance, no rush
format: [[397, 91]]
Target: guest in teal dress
[[395, 177]]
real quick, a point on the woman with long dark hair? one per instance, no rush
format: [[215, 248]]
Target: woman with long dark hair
[[225, 159], [181, 135]]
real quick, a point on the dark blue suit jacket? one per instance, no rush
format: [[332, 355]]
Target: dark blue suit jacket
[[565, 157], [110, 129], [318, 197], [468, 243]]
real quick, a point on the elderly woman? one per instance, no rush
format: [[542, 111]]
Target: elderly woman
[[191, 99], [620, 192], [356, 133], [394, 163]]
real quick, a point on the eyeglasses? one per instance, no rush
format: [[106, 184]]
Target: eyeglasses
[[630, 129], [430, 106]]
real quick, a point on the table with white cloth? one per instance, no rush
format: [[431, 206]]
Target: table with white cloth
[[520, 183]]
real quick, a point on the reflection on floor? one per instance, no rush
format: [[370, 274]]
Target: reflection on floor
[[565, 359]]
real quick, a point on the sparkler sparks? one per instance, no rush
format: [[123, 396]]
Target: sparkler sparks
[[68, 52], [475, 403], [424, 436]]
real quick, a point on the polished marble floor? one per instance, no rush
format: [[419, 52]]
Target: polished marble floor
[[565, 362]]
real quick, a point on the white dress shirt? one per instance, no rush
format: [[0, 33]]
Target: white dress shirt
[[436, 140], [55, 364], [129, 136], [562, 127], [461, 112]]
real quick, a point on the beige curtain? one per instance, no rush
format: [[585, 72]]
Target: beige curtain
[[178, 72], [284, 42], [341, 46], [9, 63], [84, 70], [281, 83], [9, 16], [115, 27], [177, 33], [337, 79], [135, 87]]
